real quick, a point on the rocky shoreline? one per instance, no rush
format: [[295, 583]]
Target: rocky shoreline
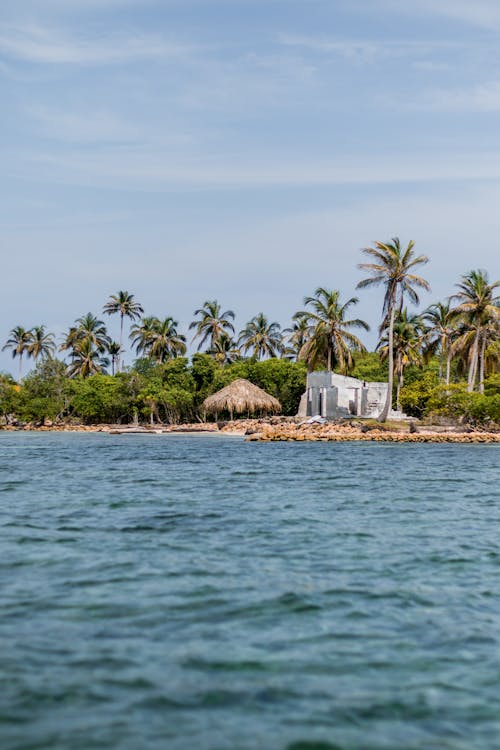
[[291, 429], [382, 433]]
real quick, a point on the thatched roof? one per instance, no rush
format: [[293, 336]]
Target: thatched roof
[[241, 396]]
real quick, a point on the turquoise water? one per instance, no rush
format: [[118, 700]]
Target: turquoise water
[[187, 592]]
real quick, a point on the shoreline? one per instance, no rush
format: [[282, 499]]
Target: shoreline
[[288, 430], [383, 434]]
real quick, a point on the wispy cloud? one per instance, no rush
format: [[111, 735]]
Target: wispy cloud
[[157, 170], [39, 44], [365, 49], [83, 127], [480, 13], [483, 97]]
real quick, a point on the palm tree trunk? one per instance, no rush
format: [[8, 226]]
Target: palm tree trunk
[[481, 365], [398, 391], [473, 364], [448, 365], [20, 366], [388, 401], [118, 365]]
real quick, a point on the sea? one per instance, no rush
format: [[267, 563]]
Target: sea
[[186, 592]]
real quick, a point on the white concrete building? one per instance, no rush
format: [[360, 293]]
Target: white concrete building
[[336, 396]]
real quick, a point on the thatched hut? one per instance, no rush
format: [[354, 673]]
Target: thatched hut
[[239, 397]]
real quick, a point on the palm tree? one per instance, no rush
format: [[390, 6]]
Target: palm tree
[[141, 335], [86, 335], [114, 350], [158, 339], [261, 336], [165, 342], [393, 267], [41, 344], [87, 359], [19, 342], [440, 334], [122, 302], [90, 328], [478, 310], [330, 339], [224, 350], [70, 339], [212, 323], [296, 336], [408, 335]]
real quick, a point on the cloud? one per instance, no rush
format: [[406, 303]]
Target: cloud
[[480, 13], [159, 169], [83, 127], [431, 66], [365, 50], [38, 44], [484, 97]]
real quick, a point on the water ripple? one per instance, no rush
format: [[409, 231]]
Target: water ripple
[[220, 595]]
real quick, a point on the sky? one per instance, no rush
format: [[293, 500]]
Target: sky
[[240, 150]]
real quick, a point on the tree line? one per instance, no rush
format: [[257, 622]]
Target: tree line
[[461, 334]]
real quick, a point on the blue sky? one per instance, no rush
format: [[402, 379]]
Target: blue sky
[[243, 150]]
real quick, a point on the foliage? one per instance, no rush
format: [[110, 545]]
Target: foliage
[[45, 393], [203, 371], [329, 340], [261, 337], [368, 366], [101, 398], [9, 395], [280, 378], [158, 339], [211, 323], [393, 267], [416, 393], [452, 341], [168, 392]]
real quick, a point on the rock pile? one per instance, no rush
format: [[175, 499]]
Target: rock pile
[[346, 432]]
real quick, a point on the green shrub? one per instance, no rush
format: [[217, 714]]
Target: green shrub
[[455, 401]]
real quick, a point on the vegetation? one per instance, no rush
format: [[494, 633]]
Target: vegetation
[[124, 304], [444, 362], [328, 339], [393, 267]]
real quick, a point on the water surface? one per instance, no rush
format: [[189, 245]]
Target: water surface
[[188, 592]]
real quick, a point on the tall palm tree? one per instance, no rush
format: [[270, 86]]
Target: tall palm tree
[[296, 336], [123, 303], [211, 323], [262, 337], [87, 359], [330, 339], [440, 333], [41, 344], [19, 342], [393, 266], [408, 336], [114, 350], [478, 309], [166, 343]]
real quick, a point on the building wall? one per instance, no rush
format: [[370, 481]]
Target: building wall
[[336, 396]]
